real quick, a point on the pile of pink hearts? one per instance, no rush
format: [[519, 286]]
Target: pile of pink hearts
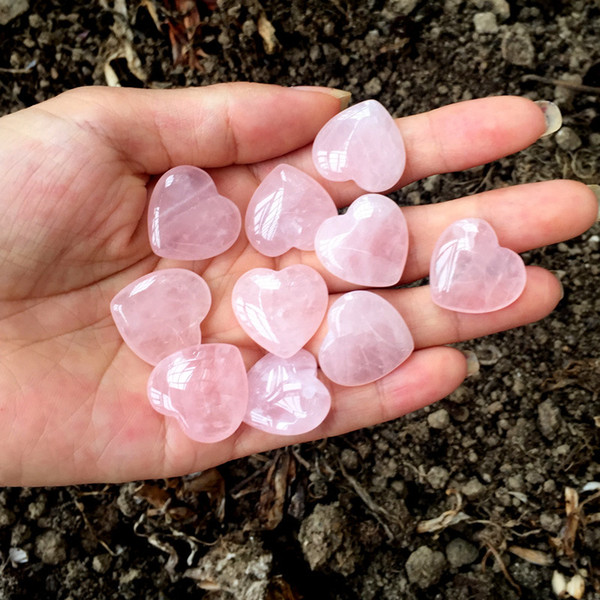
[[206, 386]]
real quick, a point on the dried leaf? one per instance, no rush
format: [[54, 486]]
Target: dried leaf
[[274, 491], [576, 586], [210, 482], [279, 589], [591, 486], [267, 33], [569, 532], [559, 584], [164, 547], [535, 557], [443, 521], [152, 11], [154, 495]]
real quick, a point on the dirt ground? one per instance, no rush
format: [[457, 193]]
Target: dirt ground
[[473, 498]]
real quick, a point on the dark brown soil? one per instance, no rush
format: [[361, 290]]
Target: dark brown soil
[[510, 442]]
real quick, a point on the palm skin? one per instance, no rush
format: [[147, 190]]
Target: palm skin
[[76, 173]]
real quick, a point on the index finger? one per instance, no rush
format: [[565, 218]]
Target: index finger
[[451, 138]]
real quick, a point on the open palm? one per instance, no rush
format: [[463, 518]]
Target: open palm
[[75, 177]]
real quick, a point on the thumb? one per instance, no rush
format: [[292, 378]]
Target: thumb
[[212, 126]]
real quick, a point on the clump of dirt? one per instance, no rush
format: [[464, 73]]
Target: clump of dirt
[[483, 496]]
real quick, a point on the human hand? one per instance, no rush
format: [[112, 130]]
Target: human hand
[[75, 176]]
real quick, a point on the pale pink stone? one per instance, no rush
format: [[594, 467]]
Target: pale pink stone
[[361, 143], [368, 245], [280, 310], [286, 211], [284, 395], [471, 273], [204, 387], [367, 339], [161, 313], [188, 219]]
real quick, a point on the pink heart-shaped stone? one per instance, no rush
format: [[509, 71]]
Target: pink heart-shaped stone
[[471, 273], [361, 143], [188, 219], [368, 245], [280, 310], [284, 395], [286, 211], [204, 387], [367, 339], [161, 313]]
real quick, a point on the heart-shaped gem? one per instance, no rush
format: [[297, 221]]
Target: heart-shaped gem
[[204, 387], [286, 211], [161, 313], [280, 310], [361, 143], [367, 339], [471, 273], [188, 219], [284, 395], [368, 245]]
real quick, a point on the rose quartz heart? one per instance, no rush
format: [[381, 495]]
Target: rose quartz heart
[[188, 219], [284, 395], [361, 143], [204, 387], [161, 313], [286, 211], [367, 339], [471, 273], [280, 310], [366, 246]]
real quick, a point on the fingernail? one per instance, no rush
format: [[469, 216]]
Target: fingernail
[[472, 362], [596, 189], [342, 95], [552, 115]]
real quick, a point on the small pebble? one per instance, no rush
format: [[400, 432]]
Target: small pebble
[[473, 489], [459, 552], [517, 47], [437, 477], [425, 567], [567, 139], [440, 419], [485, 22]]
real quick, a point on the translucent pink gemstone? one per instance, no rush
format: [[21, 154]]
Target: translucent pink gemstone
[[361, 143], [368, 245], [188, 219], [286, 211], [285, 397], [280, 310], [367, 339], [161, 313], [471, 273], [204, 387]]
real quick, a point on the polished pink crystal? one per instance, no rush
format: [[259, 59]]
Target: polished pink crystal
[[280, 310], [471, 273], [361, 143], [204, 387], [286, 211], [367, 339], [368, 245], [284, 395], [188, 219], [161, 312]]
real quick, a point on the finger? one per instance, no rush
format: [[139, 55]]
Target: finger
[[431, 325], [524, 217], [210, 126], [454, 137], [427, 376]]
